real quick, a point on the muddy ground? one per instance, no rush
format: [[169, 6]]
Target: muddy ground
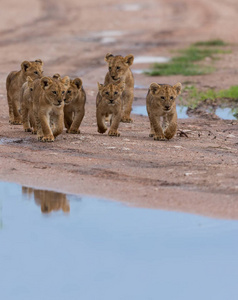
[[195, 174]]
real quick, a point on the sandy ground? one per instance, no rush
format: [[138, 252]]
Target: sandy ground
[[195, 174]]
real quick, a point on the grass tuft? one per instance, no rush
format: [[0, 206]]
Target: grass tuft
[[211, 43], [184, 64]]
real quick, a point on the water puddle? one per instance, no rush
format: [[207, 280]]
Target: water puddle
[[223, 113], [103, 37], [150, 59], [130, 7], [141, 110], [57, 246]]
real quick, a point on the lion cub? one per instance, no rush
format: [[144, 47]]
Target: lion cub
[[14, 83], [109, 102], [119, 71], [160, 102], [48, 106], [74, 103], [26, 102]]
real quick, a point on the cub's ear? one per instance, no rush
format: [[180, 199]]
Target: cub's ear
[[154, 87], [66, 81], [178, 87], [129, 59], [100, 86], [45, 82], [25, 65], [39, 61], [78, 82], [57, 76], [29, 79], [108, 55]]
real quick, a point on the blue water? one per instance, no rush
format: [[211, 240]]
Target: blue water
[[85, 248], [223, 113]]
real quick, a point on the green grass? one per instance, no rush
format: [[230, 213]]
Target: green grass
[[195, 96], [184, 64], [211, 43]]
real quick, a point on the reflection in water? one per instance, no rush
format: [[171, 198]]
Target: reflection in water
[[48, 200], [106, 250]]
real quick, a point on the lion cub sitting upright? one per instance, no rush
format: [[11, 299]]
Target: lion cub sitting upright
[[14, 83], [108, 103], [119, 71], [74, 103], [48, 106], [160, 102]]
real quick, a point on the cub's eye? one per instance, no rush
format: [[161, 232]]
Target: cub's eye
[[118, 68], [162, 97], [110, 68], [63, 92], [54, 92], [31, 89], [115, 93], [107, 93], [36, 72], [69, 92], [171, 98]]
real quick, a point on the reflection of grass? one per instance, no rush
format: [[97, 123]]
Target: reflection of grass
[[195, 96], [211, 43], [184, 63]]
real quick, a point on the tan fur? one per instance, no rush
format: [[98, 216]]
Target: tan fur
[[160, 102], [119, 71], [14, 84], [74, 103], [109, 102], [48, 106], [26, 103]]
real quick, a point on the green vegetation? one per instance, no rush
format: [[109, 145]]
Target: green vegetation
[[195, 96], [211, 43], [183, 64]]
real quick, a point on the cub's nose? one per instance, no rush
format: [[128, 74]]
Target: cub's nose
[[167, 107], [59, 101], [113, 77], [111, 100]]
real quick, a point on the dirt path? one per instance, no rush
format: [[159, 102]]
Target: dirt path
[[195, 174]]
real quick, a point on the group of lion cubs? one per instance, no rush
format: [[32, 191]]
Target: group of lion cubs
[[45, 104]]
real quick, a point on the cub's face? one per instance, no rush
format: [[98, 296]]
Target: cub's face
[[118, 65], [165, 95], [111, 93], [54, 90], [73, 90], [34, 69]]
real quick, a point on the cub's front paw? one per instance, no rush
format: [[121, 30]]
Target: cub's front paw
[[16, 122], [49, 138], [27, 129], [151, 134], [102, 130], [168, 134], [159, 137], [126, 120], [113, 133], [73, 131]]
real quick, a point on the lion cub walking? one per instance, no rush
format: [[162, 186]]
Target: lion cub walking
[[119, 71], [48, 106], [160, 102], [14, 83], [28, 119], [74, 103], [109, 102]]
